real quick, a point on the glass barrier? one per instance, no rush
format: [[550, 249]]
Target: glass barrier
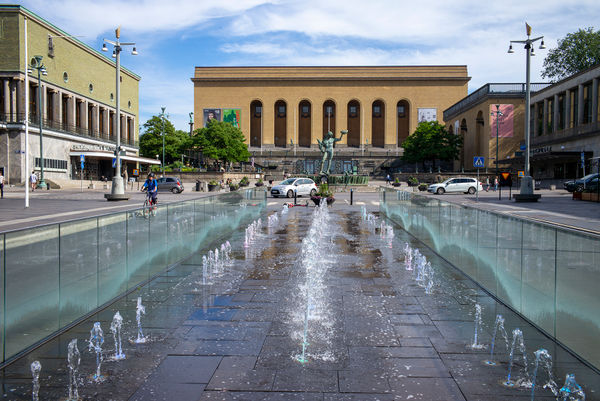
[[58, 273], [547, 273]]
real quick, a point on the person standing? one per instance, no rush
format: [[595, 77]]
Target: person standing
[[1, 186], [388, 179], [33, 180]]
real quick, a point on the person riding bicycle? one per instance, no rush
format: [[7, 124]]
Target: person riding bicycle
[[152, 187]]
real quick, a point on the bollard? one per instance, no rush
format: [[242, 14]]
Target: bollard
[[351, 195], [295, 196]]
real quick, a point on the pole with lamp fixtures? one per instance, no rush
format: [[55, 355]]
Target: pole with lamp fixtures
[[118, 190], [162, 133], [36, 64], [527, 194], [498, 113]]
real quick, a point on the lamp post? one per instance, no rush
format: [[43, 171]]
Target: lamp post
[[117, 189], [41, 70], [527, 181], [162, 133], [498, 113]]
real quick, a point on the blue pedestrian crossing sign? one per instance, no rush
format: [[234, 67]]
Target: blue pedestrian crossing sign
[[82, 158], [478, 161], [114, 163]]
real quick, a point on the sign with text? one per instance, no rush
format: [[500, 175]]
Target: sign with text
[[427, 115], [504, 121]]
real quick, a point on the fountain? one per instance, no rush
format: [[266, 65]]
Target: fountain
[[408, 257], [543, 356], [73, 361], [204, 269], [476, 344], [571, 391], [517, 342], [498, 326], [95, 345], [139, 310], [115, 328], [36, 367], [363, 212]]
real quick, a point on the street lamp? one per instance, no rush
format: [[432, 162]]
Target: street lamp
[[162, 133], [527, 181], [498, 113], [36, 64], [118, 190]]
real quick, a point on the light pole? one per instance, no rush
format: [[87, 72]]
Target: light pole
[[162, 133], [498, 113], [527, 181], [118, 190], [41, 70]]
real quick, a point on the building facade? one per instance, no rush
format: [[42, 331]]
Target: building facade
[[474, 117], [77, 108], [564, 127], [283, 109]]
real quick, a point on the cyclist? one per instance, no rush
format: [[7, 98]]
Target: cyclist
[[151, 186]]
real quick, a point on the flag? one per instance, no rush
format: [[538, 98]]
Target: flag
[[528, 29]]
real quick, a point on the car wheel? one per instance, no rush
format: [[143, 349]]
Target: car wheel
[[313, 192], [471, 190], [440, 191], [174, 190], [579, 188], [290, 194]]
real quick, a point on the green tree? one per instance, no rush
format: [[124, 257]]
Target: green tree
[[151, 141], [221, 141], [430, 142], [575, 52]]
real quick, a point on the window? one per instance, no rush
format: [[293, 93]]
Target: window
[[329, 111], [281, 111], [352, 111], [257, 111], [112, 97], [91, 88], [377, 111], [65, 77], [170, 179], [401, 111], [52, 163], [305, 109], [129, 104]]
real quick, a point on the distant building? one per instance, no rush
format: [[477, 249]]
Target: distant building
[[282, 111], [472, 118], [564, 127], [78, 103]]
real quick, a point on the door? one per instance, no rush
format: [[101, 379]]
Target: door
[[453, 185]]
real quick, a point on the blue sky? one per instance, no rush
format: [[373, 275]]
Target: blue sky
[[174, 37]]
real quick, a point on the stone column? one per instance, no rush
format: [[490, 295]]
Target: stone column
[[95, 116], [71, 113], [13, 100], [545, 117], [556, 113], [580, 104], [83, 115], [567, 109], [56, 106], [6, 92], [43, 88], [123, 121], [535, 120], [595, 100], [20, 100], [106, 119]]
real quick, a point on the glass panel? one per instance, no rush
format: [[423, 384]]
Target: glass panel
[[157, 254], [487, 225], [78, 269], [508, 267], [1, 297], [138, 237], [32, 282], [112, 256]]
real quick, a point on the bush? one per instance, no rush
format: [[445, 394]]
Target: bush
[[213, 182], [423, 187], [412, 181]]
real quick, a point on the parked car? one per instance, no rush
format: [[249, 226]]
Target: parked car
[[458, 184], [172, 184], [577, 185], [304, 186]]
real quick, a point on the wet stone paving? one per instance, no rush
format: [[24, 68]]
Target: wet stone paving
[[311, 305]]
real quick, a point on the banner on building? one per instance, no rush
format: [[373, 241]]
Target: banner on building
[[211, 114], [505, 121], [427, 115], [233, 117]]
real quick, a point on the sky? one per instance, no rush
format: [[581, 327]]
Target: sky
[[173, 37]]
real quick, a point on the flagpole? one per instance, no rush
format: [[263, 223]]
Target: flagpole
[[26, 121]]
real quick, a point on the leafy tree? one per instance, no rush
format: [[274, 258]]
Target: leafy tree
[[431, 141], [575, 52], [221, 141], [151, 141]]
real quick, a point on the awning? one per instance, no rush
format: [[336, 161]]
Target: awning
[[109, 156]]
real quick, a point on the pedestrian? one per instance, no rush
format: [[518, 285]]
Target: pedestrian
[[495, 183], [33, 180], [487, 184], [1, 185], [388, 179]]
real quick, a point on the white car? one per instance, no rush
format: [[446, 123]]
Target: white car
[[458, 184], [303, 186]]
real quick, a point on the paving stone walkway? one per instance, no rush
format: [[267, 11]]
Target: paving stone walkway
[[375, 333]]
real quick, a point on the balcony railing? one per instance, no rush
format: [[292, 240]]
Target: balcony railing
[[566, 134], [491, 89], [66, 128]]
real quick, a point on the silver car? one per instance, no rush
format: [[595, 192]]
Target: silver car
[[458, 184], [303, 186], [169, 184]]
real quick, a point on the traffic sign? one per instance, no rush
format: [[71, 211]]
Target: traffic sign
[[522, 147], [521, 174], [82, 164], [505, 176], [582, 160], [136, 172], [114, 163], [478, 161], [82, 158]]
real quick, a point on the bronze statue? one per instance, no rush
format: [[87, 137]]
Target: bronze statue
[[326, 147]]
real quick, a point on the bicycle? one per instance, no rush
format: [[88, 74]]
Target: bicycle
[[149, 207]]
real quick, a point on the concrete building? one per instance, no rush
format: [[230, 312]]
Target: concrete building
[[564, 126], [77, 107], [472, 118], [282, 111]]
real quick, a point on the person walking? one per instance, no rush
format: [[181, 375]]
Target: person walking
[[487, 184], [495, 184], [1, 186], [388, 179], [33, 180]]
